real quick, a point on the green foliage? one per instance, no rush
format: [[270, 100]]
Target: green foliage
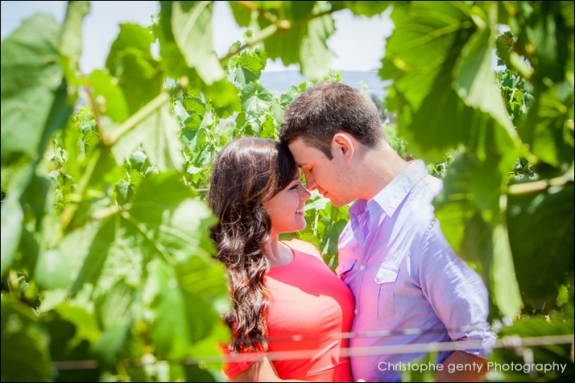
[[106, 257], [448, 98]]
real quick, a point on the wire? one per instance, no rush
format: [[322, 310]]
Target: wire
[[506, 342]]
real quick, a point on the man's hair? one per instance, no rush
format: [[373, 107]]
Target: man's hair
[[326, 109]]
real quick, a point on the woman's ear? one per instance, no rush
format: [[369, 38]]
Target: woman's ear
[[342, 144]]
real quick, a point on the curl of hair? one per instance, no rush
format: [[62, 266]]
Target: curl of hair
[[246, 173]]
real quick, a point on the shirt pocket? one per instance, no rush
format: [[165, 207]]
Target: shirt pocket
[[385, 280]]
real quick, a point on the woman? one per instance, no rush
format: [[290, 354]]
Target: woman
[[284, 296]]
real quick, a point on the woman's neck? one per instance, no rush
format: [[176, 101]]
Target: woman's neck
[[277, 253]]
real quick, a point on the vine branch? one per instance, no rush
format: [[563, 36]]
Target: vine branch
[[270, 30]]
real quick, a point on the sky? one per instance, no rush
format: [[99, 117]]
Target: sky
[[358, 42]]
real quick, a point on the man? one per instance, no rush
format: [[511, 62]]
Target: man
[[409, 286]]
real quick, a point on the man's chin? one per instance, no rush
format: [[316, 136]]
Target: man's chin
[[336, 203]]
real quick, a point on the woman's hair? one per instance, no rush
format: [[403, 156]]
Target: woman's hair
[[246, 173]]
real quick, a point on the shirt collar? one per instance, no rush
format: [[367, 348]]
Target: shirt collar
[[391, 196]]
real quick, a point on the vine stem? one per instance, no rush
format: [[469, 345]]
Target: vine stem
[[92, 104], [535, 186], [269, 31], [112, 138], [71, 208]]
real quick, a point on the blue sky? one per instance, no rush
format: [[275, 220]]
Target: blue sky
[[358, 42]]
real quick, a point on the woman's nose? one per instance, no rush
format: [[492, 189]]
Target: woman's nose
[[304, 194]]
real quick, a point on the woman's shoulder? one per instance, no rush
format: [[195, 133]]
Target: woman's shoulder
[[303, 247]]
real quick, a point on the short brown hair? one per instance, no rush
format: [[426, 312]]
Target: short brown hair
[[326, 109]]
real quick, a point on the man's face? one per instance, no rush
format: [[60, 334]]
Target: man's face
[[321, 173]]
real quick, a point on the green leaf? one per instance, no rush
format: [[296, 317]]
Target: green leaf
[[420, 57], [124, 192], [164, 208], [24, 353], [195, 286], [71, 39], [170, 331], [315, 56], [540, 232], [114, 305], [85, 322], [241, 14], [305, 41], [33, 94], [131, 62], [547, 39], [504, 280], [52, 270], [468, 210], [361, 8], [546, 127], [427, 38], [70, 44], [197, 110], [109, 96], [192, 31], [12, 217], [110, 344], [97, 255], [158, 136], [475, 79], [255, 99], [249, 66], [204, 288], [547, 354]]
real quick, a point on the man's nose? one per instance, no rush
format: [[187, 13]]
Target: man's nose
[[310, 183]]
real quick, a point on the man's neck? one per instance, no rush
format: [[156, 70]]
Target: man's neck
[[379, 167]]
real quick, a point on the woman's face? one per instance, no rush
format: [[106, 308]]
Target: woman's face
[[286, 208]]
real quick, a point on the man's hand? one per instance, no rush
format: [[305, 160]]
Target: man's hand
[[462, 367]]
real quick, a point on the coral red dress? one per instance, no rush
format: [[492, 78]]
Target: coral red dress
[[310, 308]]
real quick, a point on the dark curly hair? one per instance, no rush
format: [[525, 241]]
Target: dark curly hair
[[246, 173]]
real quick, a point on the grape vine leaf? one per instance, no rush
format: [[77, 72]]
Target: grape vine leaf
[[130, 60], [255, 99], [12, 218], [158, 136], [361, 8], [24, 354], [540, 232], [109, 96], [192, 31], [33, 92]]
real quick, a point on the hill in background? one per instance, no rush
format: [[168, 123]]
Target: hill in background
[[280, 81]]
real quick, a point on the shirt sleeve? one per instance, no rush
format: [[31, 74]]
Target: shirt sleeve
[[456, 293]]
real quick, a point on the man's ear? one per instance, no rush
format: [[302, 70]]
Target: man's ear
[[342, 144]]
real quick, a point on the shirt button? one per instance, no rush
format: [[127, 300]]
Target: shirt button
[[355, 311], [362, 267]]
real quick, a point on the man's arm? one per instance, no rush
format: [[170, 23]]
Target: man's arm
[[462, 367], [460, 299]]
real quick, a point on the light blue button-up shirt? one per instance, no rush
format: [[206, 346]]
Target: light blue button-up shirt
[[406, 278]]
